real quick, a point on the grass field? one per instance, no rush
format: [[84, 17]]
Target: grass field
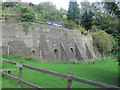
[[105, 71]]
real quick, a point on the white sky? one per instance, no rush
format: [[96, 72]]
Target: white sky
[[59, 3]]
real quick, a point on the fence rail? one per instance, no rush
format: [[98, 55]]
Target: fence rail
[[70, 77]]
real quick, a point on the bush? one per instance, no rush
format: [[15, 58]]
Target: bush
[[103, 41], [70, 24], [115, 47], [83, 31], [26, 14], [39, 21]]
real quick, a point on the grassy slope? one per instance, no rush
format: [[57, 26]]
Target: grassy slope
[[105, 72]]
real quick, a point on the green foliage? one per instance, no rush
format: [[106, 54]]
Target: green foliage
[[115, 44], [39, 21], [31, 4], [112, 7], [48, 11], [73, 12], [83, 31], [9, 10], [70, 24], [86, 20], [26, 26], [103, 41], [105, 22], [87, 12], [26, 14], [107, 19], [9, 4]]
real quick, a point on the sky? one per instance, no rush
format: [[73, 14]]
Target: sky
[[59, 3]]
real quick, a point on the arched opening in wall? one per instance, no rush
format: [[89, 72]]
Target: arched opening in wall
[[72, 50], [55, 51], [33, 52], [56, 54]]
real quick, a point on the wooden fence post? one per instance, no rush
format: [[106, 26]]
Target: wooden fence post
[[69, 85], [9, 72], [20, 73]]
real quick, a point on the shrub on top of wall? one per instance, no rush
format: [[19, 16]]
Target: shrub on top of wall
[[83, 31], [70, 24]]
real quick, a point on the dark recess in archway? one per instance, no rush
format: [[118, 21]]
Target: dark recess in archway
[[33, 51], [56, 54], [72, 50]]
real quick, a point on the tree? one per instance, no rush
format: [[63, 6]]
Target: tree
[[86, 20], [114, 10], [73, 12], [86, 15], [8, 4], [31, 4], [113, 7], [48, 11], [105, 19], [63, 13], [85, 6], [26, 14]]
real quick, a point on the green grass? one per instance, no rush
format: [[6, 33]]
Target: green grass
[[103, 70]]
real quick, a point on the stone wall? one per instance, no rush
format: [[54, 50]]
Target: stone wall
[[46, 42]]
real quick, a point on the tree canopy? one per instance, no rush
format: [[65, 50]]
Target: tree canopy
[[26, 14], [73, 12]]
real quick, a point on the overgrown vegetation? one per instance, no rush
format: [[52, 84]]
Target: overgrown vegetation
[[26, 14], [103, 41], [102, 15], [70, 24], [83, 31]]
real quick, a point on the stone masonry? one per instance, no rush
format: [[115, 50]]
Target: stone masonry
[[45, 42]]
